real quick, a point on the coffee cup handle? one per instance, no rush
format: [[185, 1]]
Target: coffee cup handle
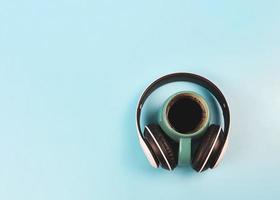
[[184, 154]]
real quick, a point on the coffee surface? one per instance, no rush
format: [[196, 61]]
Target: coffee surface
[[185, 114]]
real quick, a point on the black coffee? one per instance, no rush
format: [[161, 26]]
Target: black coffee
[[184, 114]]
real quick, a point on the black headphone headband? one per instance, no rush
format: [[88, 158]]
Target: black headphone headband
[[187, 77]]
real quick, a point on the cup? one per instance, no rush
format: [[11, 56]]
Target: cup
[[184, 116]]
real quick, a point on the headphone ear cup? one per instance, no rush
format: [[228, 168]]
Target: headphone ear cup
[[220, 148], [161, 146], [209, 149]]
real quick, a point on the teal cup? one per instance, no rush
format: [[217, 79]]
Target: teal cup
[[183, 117]]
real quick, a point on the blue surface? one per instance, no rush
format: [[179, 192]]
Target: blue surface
[[71, 73]]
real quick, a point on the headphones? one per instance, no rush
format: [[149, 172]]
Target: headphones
[[160, 149]]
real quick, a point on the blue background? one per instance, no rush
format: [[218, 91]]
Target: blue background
[[71, 73]]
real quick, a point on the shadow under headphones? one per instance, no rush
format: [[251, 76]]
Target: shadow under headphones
[[159, 149]]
